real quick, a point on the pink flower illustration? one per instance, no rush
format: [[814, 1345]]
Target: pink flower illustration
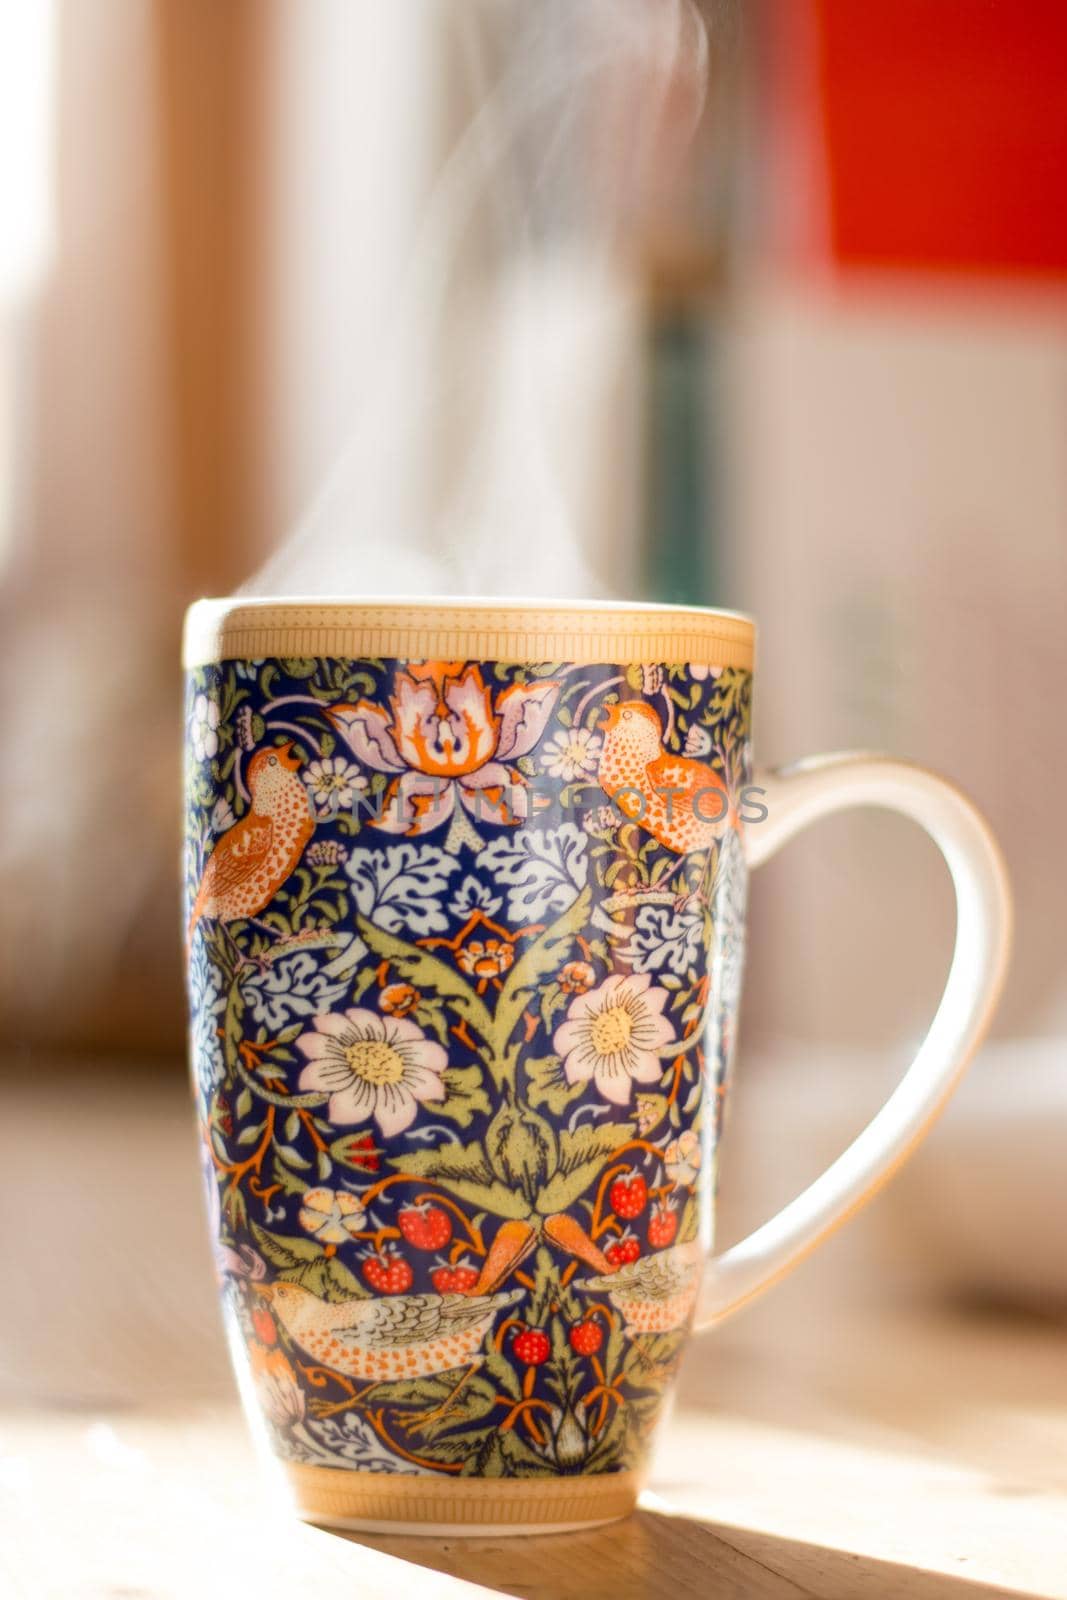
[[613, 1035], [372, 1066], [446, 738]]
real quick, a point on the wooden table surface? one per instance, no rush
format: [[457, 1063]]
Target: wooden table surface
[[853, 1451]]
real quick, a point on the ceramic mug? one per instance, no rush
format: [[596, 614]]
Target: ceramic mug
[[465, 918]]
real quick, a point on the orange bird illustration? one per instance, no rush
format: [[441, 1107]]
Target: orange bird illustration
[[253, 858], [682, 803]]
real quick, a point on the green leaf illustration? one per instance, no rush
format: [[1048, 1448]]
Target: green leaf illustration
[[500, 1370], [464, 1171], [545, 955], [474, 1405], [341, 1283], [582, 1153], [232, 1029], [292, 1156], [520, 1459], [547, 1086], [487, 1461], [522, 1149], [288, 1180], [285, 1252], [611, 1447], [350, 1152], [427, 971], [465, 1098], [460, 1448]]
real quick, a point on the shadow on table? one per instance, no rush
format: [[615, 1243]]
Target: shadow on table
[[653, 1555], [915, 1382]]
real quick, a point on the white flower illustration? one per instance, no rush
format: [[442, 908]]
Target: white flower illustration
[[331, 783], [332, 1215], [222, 816], [203, 727], [682, 1158], [372, 1066], [572, 753], [613, 1035], [697, 742]]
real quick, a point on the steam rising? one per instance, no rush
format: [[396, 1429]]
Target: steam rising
[[519, 314]]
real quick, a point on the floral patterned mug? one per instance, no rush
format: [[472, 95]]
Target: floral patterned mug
[[465, 918]]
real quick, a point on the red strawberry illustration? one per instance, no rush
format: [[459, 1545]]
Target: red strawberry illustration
[[459, 1279], [586, 1337], [662, 1225], [623, 1250], [532, 1347], [426, 1227], [263, 1323], [629, 1195], [360, 1151], [388, 1272]]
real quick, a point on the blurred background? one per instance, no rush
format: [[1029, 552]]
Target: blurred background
[[762, 306]]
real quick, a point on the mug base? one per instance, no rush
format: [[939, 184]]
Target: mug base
[[434, 1506]]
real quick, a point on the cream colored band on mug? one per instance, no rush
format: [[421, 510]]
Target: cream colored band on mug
[[586, 632]]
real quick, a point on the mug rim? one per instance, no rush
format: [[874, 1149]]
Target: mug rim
[[430, 627]]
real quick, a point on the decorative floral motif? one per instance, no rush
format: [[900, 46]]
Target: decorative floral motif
[[279, 1393], [448, 739], [245, 731], [222, 816], [372, 1066], [203, 727], [545, 870], [681, 1158], [571, 754], [326, 853], [397, 999], [473, 895], [575, 977], [485, 958], [454, 1093], [400, 887], [289, 987], [613, 1034], [333, 1216], [663, 937], [332, 783], [206, 1006]]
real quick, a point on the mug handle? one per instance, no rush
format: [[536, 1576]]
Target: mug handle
[[794, 797]]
